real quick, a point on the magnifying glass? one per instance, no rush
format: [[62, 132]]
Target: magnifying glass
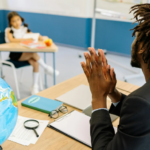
[[32, 125]]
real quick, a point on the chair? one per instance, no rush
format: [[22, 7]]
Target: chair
[[16, 65]]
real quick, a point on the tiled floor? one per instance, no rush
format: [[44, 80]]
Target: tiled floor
[[68, 63]]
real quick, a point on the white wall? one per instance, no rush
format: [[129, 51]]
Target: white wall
[[1, 4], [77, 8], [74, 8], [123, 8]]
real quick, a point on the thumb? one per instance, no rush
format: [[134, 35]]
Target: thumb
[[108, 76], [112, 73]]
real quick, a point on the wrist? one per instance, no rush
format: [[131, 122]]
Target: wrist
[[99, 103], [115, 96], [113, 92]]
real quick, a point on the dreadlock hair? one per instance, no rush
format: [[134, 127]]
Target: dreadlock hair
[[11, 15], [141, 13]]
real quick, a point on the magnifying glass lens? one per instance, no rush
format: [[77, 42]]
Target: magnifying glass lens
[[31, 124]]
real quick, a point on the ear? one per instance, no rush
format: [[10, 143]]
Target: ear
[[140, 49]]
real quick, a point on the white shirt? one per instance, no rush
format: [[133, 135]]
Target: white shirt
[[115, 104], [18, 33]]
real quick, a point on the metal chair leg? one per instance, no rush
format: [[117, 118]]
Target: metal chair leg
[[21, 76], [41, 84], [16, 82], [2, 76], [15, 76]]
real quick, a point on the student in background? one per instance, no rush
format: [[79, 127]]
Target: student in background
[[14, 33]]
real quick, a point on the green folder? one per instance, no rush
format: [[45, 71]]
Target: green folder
[[42, 104]]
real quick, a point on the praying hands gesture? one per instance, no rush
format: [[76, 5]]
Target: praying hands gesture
[[101, 78]]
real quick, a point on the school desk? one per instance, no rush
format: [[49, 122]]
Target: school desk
[[51, 139], [16, 47]]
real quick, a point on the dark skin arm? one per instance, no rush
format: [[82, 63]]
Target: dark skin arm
[[99, 82], [101, 78], [114, 94]]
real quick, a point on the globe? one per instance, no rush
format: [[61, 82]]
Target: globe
[[8, 111]]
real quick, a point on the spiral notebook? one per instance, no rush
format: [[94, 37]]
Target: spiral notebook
[[75, 125]]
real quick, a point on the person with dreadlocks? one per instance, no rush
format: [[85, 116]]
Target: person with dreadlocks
[[134, 110], [14, 33]]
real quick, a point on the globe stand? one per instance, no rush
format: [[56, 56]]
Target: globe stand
[[1, 148]]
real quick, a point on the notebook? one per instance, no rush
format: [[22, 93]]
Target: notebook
[[41, 104], [75, 125], [80, 97], [31, 44], [34, 36]]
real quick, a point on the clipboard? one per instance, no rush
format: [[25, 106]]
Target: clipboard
[[75, 125]]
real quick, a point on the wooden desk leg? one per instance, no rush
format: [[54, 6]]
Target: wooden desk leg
[[54, 77], [45, 73]]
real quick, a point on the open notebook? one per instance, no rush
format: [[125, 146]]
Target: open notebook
[[34, 36], [75, 125]]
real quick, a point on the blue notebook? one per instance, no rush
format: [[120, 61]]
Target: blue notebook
[[42, 104]]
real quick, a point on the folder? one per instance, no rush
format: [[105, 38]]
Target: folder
[[42, 104], [75, 125]]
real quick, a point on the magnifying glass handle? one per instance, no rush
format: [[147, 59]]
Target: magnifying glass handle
[[35, 133]]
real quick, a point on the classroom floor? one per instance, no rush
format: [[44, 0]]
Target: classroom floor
[[68, 63]]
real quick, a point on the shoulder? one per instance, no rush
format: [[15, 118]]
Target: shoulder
[[136, 102], [24, 28], [142, 92], [7, 30], [134, 115]]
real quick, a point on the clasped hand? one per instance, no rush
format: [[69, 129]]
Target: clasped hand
[[100, 76]]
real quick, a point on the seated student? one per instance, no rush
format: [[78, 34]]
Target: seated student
[[134, 109], [14, 33]]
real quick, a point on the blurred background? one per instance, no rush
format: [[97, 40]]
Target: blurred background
[[75, 25]]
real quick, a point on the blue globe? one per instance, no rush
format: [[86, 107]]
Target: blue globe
[[8, 111]]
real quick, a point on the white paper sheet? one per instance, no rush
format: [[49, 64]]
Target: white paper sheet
[[76, 125], [34, 36], [24, 136]]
